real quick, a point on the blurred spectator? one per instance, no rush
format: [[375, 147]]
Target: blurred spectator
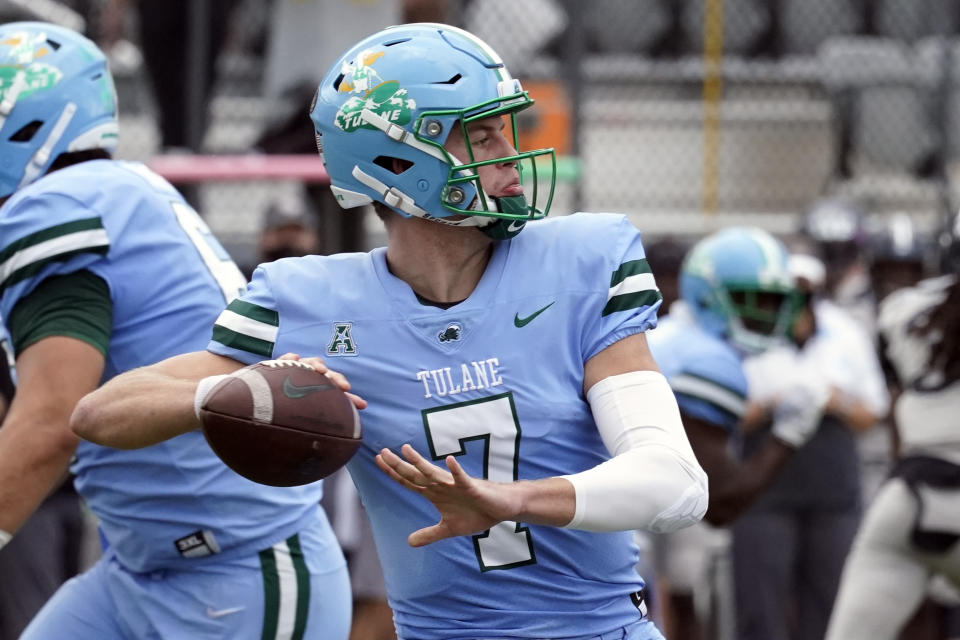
[[288, 230], [910, 534], [168, 63], [665, 256], [789, 548], [835, 227], [898, 254], [164, 36]]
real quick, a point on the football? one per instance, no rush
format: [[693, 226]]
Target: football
[[280, 423]]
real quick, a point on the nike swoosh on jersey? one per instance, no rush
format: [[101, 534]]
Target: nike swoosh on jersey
[[219, 613], [293, 391], [522, 322]]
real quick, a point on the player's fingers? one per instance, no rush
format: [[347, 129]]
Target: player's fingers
[[338, 379], [357, 401], [404, 468], [459, 475], [424, 466], [396, 477], [427, 535], [289, 356], [316, 363]]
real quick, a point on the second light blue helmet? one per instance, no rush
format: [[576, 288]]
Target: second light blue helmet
[[397, 95], [56, 96], [739, 287]]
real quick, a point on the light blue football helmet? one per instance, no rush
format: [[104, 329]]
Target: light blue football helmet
[[739, 287], [398, 94], [56, 95]]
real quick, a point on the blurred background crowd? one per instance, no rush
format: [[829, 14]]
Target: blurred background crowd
[[834, 124]]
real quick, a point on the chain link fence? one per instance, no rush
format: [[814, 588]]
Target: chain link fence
[[685, 114]]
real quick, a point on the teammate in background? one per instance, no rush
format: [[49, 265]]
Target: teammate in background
[[910, 533], [108, 269], [736, 297], [508, 350]]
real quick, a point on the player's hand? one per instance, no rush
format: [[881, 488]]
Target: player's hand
[[798, 412], [466, 504], [335, 376]]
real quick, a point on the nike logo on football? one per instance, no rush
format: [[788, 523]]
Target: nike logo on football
[[293, 391], [219, 613], [522, 322]]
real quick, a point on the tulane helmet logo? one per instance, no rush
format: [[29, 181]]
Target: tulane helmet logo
[[385, 98]]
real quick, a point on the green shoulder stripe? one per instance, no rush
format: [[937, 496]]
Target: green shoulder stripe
[[633, 300], [627, 269], [28, 255], [247, 327]]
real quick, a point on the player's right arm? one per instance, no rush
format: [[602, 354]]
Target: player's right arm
[[734, 485], [148, 405]]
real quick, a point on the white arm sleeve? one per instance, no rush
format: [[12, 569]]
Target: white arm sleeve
[[653, 481]]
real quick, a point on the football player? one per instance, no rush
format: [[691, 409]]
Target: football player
[[911, 530], [105, 268], [503, 357], [737, 297]]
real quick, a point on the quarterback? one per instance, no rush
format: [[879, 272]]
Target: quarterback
[[501, 357]]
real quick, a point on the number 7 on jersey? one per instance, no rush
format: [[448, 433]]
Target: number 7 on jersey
[[493, 421]]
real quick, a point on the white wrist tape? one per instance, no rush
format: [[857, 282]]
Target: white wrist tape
[[653, 481], [5, 538], [203, 389]]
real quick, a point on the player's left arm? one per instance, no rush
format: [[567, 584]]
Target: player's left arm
[[653, 480]]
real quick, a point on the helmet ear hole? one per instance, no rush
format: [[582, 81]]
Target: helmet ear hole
[[394, 165], [26, 132]]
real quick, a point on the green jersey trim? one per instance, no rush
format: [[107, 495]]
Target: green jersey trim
[[28, 255], [248, 327], [631, 286]]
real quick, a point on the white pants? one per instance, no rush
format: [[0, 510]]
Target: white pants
[[885, 576]]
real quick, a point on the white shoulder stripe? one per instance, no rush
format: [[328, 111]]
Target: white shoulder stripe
[[633, 284], [247, 326], [55, 246], [709, 391]]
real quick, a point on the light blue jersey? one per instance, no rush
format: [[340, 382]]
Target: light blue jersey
[[496, 380], [705, 373], [172, 504]]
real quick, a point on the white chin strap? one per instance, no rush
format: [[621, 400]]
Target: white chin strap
[[38, 163], [397, 199], [392, 196]]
